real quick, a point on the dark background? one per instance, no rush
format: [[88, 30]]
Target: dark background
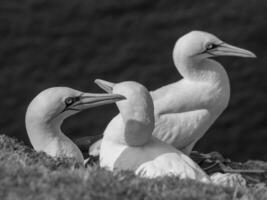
[[45, 43]]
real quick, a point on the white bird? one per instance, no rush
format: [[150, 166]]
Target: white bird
[[46, 113], [128, 143], [186, 109]]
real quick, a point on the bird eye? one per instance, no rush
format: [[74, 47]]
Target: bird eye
[[69, 101], [211, 46]]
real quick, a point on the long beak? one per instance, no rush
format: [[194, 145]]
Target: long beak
[[105, 85], [230, 50], [90, 100]]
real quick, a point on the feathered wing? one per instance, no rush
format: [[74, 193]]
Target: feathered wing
[[152, 160], [172, 163], [182, 96], [182, 129], [184, 112]]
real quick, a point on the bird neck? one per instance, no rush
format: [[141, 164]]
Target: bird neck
[[138, 121], [201, 69], [41, 132], [213, 78]]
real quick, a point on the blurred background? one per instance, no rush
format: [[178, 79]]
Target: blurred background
[[45, 43]]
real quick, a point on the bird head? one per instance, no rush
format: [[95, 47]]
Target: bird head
[[137, 109], [136, 94], [61, 102], [199, 44]]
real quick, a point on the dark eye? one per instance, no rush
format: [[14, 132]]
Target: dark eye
[[69, 101], [211, 46]]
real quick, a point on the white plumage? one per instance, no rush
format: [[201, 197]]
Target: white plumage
[[128, 143], [49, 109], [186, 109]]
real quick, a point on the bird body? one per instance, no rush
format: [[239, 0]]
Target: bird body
[[186, 109], [49, 109], [128, 143], [152, 160]]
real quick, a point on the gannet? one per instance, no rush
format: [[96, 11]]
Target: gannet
[[46, 113], [185, 110], [128, 143]]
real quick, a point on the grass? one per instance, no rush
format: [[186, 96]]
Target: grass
[[26, 174]]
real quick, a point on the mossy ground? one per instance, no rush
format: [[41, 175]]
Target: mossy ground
[[26, 174]]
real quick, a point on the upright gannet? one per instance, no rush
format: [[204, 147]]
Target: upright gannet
[[128, 143], [185, 110], [48, 110]]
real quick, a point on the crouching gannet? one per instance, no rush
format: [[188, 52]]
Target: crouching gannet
[[185, 110], [128, 143], [48, 110]]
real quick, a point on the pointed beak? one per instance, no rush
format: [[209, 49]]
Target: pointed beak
[[230, 50], [105, 85], [90, 100]]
